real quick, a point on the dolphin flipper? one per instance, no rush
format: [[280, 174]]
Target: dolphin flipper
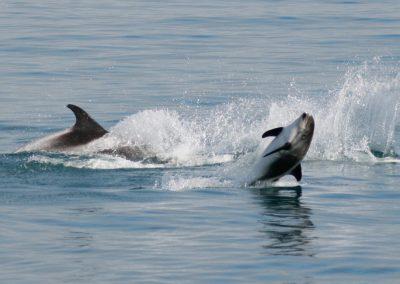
[[84, 122], [272, 132], [296, 172]]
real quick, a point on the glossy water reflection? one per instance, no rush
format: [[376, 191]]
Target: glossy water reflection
[[287, 221]]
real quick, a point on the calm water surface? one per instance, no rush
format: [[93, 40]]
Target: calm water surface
[[198, 83]]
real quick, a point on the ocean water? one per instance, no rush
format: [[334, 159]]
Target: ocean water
[[197, 83]]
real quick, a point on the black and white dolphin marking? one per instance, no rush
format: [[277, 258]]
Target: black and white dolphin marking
[[284, 154]]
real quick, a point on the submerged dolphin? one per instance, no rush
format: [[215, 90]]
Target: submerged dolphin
[[284, 154], [85, 130]]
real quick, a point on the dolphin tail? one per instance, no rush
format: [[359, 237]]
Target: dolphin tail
[[84, 123], [296, 172]]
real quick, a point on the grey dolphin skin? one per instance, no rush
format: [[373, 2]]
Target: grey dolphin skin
[[285, 153], [85, 130]]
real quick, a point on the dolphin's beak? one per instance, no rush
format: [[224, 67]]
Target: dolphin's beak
[[284, 147], [310, 122]]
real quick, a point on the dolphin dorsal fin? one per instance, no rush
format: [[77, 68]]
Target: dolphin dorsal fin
[[273, 132], [84, 122], [296, 172]]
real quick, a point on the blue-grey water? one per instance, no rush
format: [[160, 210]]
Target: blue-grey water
[[197, 83]]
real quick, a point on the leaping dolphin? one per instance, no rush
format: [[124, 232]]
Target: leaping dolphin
[[284, 154], [85, 130]]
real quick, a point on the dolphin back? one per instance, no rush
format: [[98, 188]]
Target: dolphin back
[[85, 130]]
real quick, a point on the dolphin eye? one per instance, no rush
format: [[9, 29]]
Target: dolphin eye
[[303, 137]]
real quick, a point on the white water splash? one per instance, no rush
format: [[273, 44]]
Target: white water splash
[[102, 163], [362, 114], [165, 134], [177, 183]]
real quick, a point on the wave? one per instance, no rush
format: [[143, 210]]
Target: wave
[[104, 162], [354, 122], [359, 117], [179, 183]]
